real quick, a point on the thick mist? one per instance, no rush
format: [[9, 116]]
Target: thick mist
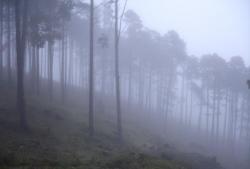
[[207, 26], [149, 75]]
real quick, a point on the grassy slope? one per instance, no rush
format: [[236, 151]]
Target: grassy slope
[[59, 139]]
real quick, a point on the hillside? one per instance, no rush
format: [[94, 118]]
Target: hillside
[[58, 138]]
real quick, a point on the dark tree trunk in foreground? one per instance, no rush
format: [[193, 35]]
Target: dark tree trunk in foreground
[[117, 78], [9, 44], [91, 68], [21, 14], [1, 40]]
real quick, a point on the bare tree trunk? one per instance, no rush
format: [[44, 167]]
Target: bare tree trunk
[[201, 108], [129, 99], [65, 65], [148, 99], [37, 71], [186, 103], [214, 112], [248, 123], [50, 68], [1, 40], [140, 86], [62, 71], [207, 111], [243, 111], [71, 57], [33, 69], [30, 62], [91, 71], [191, 107], [9, 44], [226, 116], [21, 31], [235, 118], [248, 117], [218, 114], [117, 76], [182, 98], [103, 79]]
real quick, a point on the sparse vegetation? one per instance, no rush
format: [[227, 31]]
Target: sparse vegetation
[[58, 140], [87, 84]]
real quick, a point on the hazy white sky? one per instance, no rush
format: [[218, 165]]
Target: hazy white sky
[[207, 26]]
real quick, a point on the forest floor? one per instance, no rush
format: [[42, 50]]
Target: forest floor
[[58, 139]]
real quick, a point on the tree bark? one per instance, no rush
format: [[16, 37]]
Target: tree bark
[[21, 31], [201, 108], [9, 44], [63, 69], [37, 54], [50, 68], [91, 71], [1, 40], [117, 75]]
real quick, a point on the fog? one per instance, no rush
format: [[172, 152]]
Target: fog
[[207, 26], [170, 79]]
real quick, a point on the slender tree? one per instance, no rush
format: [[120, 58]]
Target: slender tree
[[117, 74], [1, 40], [91, 70], [9, 72], [21, 16]]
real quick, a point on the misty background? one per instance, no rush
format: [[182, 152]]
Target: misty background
[[92, 78], [207, 26]]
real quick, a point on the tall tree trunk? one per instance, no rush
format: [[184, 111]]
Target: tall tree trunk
[[201, 108], [129, 99], [37, 53], [91, 71], [248, 116], [218, 115], [186, 103], [29, 48], [65, 65], [9, 44], [242, 118], [117, 75], [207, 111], [21, 31], [226, 116], [235, 117], [63, 68], [1, 40], [248, 124], [33, 69], [191, 106], [50, 68], [182, 98], [71, 57], [214, 113], [103, 79], [149, 93]]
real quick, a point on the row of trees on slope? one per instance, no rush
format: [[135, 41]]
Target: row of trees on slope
[[37, 24], [156, 78], [29, 24]]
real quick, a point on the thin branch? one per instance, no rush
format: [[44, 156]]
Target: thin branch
[[121, 18], [103, 3]]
